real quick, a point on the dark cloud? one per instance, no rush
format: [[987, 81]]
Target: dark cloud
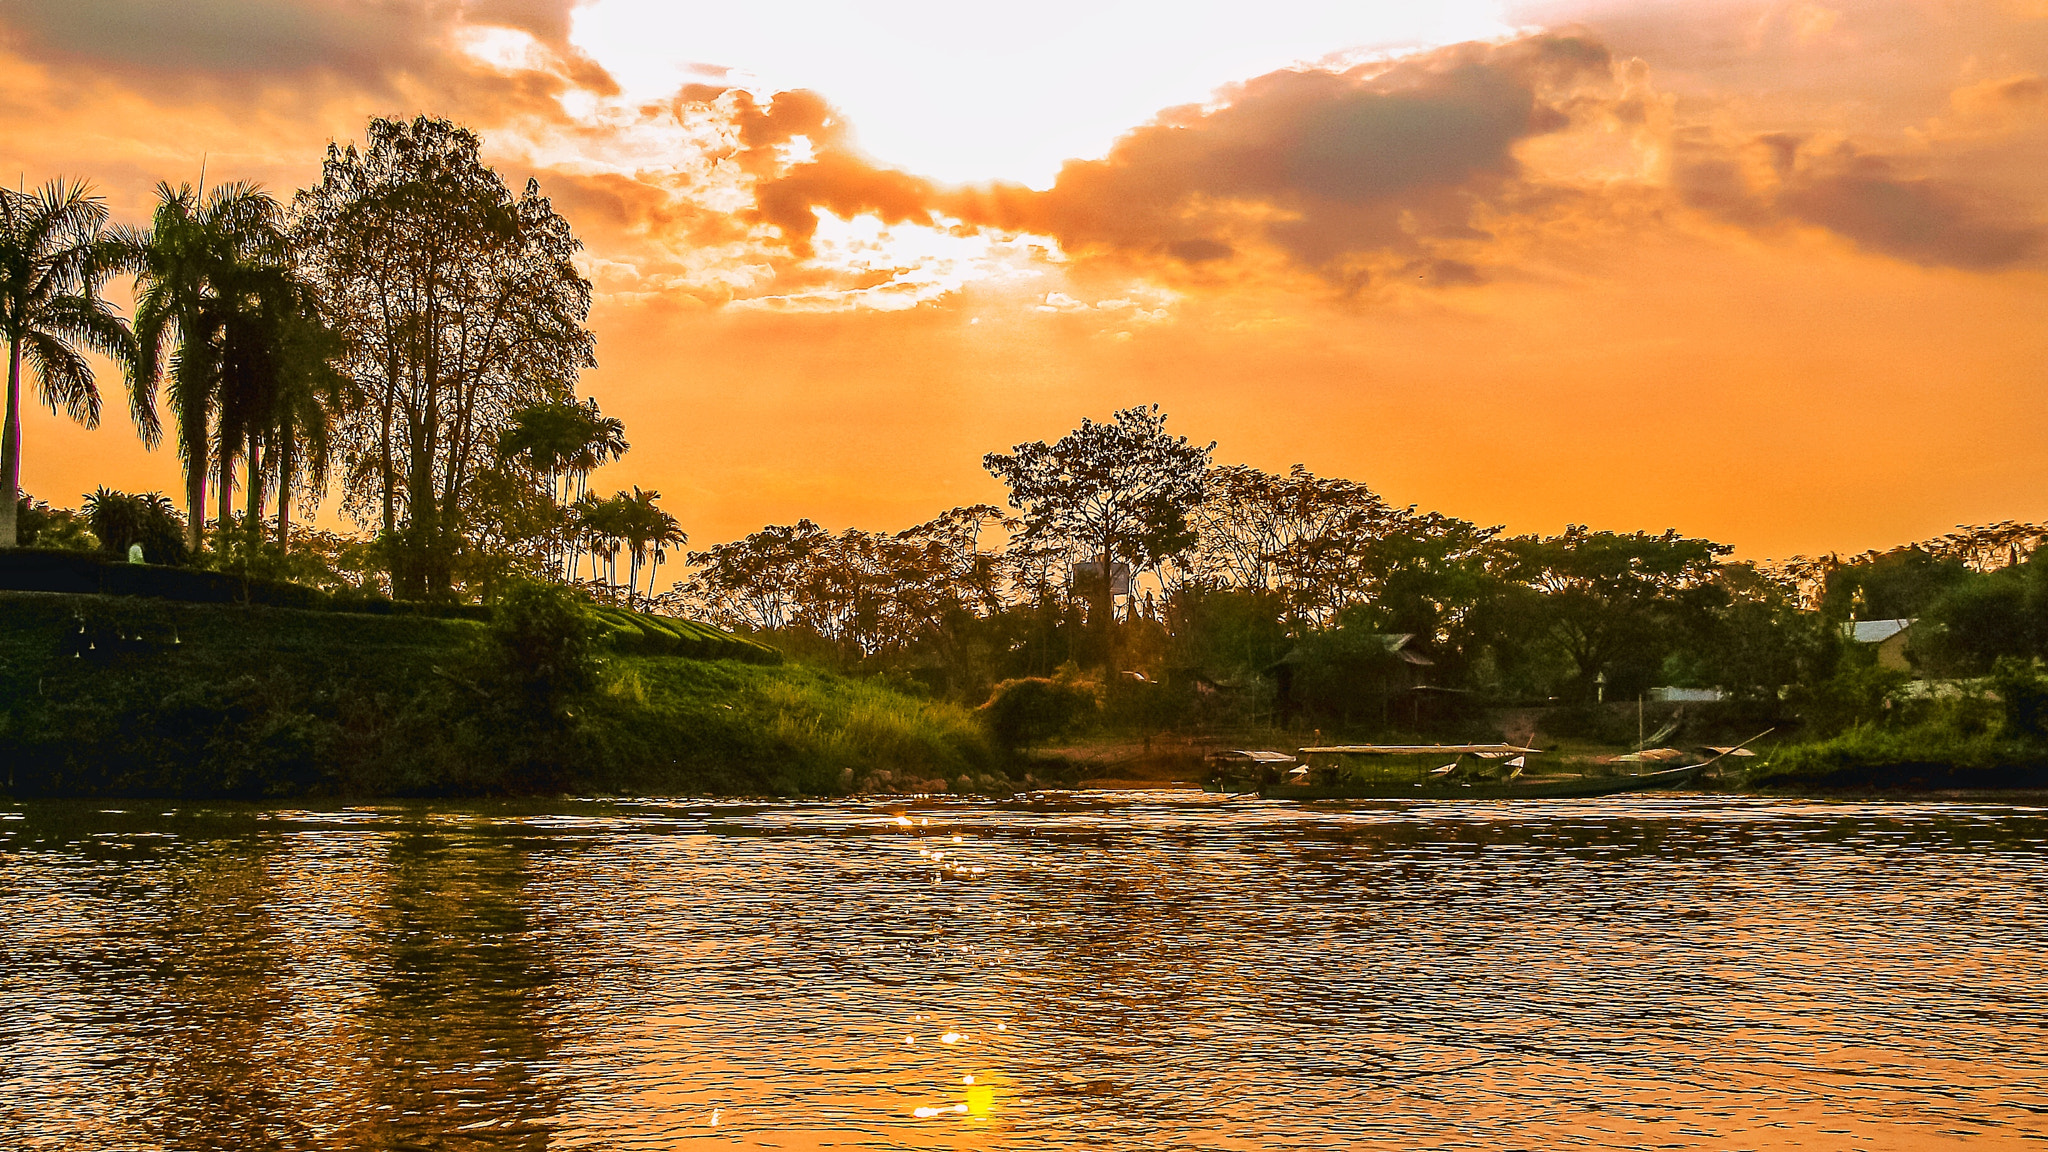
[[1326, 166], [1394, 172], [213, 43], [1779, 179]]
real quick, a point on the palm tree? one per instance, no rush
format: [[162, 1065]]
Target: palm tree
[[194, 271], [649, 532], [311, 395], [548, 436], [276, 378], [54, 255], [121, 518], [600, 528], [603, 440]]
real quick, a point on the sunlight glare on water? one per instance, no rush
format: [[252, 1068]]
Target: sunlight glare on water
[[1105, 970]]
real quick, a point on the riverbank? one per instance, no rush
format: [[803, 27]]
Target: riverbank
[[1925, 762], [132, 696]]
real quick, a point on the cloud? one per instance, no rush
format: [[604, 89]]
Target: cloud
[[1324, 166], [202, 46], [802, 156], [1436, 170], [1876, 201], [1331, 170], [2001, 104]]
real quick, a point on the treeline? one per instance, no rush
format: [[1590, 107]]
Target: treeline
[[1225, 593], [408, 330]]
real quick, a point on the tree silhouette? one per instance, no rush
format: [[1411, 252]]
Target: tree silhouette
[[251, 375], [1119, 492], [647, 531], [563, 442], [54, 255], [120, 519], [1608, 596], [460, 306]]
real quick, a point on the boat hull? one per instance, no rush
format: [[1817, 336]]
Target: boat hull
[[1531, 790]]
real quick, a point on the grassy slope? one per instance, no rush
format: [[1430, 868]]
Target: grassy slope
[[1923, 757], [204, 700]]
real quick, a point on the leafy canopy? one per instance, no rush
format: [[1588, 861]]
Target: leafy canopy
[[1123, 489]]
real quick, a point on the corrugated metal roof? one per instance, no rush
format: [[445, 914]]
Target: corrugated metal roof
[[1874, 631]]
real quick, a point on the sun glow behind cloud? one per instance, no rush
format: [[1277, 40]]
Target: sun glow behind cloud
[[965, 92]]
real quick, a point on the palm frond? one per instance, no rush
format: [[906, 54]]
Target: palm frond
[[63, 376]]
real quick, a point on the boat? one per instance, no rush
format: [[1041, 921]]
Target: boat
[[1422, 772], [1554, 788]]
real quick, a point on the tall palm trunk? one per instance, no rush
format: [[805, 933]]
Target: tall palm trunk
[[193, 418], [255, 514], [285, 466], [195, 498], [10, 448], [227, 494]]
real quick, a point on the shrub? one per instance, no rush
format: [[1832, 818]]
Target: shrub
[[541, 646], [1035, 709], [1860, 692], [122, 519], [2024, 694], [37, 525]]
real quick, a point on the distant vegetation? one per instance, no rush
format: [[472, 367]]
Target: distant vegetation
[[408, 334], [1297, 601]]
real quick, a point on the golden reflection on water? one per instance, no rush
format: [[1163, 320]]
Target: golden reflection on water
[[1136, 971]]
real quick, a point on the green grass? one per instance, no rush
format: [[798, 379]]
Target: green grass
[[159, 698], [1925, 756], [734, 727]]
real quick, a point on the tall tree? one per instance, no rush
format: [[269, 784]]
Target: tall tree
[[54, 256], [460, 306], [311, 396], [202, 273], [1119, 492], [1610, 598]]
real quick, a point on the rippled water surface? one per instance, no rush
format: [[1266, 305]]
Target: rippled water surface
[[1136, 970]]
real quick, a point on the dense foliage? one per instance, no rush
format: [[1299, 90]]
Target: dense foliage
[[460, 307], [411, 331]]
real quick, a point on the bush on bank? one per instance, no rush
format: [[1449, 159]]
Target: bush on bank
[[1985, 734]]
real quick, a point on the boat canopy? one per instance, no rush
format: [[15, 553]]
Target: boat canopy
[[1651, 756], [1489, 751], [1249, 756]]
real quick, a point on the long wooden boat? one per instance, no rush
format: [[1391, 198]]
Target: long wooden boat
[[1538, 789]]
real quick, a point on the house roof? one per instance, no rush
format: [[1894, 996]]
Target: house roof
[[1874, 631], [1395, 643]]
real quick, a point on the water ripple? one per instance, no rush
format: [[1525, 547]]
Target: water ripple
[[1127, 970]]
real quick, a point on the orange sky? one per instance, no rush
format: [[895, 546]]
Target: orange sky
[[1771, 273]]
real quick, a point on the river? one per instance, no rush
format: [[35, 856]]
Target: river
[[1097, 971]]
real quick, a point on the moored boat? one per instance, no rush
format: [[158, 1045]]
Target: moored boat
[[1424, 772], [1561, 787]]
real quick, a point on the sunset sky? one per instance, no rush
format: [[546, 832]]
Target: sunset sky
[[1772, 273]]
